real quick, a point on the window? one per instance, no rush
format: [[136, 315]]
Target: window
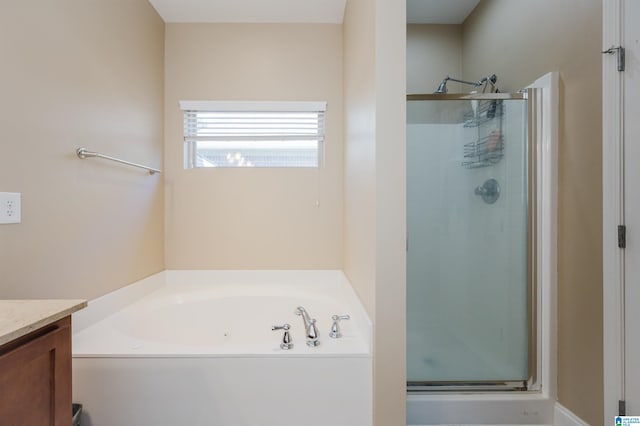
[[253, 134]]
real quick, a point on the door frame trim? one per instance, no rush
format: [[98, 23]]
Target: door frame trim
[[613, 210]]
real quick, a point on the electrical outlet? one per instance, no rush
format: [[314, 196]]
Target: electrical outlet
[[10, 207]]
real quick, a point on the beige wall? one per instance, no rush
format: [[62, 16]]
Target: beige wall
[[360, 150], [390, 381], [80, 73], [433, 52], [254, 218], [374, 185], [562, 36]]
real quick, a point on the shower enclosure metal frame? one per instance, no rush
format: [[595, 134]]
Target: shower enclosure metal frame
[[528, 95], [537, 404]]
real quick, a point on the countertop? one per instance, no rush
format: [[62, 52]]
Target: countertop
[[20, 317]]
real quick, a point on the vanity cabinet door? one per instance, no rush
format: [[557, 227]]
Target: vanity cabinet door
[[35, 378]]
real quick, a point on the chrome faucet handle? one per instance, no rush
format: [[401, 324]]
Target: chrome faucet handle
[[335, 327], [287, 341]]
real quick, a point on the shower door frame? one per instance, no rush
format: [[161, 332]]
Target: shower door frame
[[530, 383], [537, 403]]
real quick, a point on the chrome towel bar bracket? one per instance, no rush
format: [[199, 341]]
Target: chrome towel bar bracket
[[84, 153]]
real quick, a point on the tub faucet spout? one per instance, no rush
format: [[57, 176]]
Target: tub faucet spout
[[310, 329]]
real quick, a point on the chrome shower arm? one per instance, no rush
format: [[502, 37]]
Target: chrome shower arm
[[470, 83], [442, 87]]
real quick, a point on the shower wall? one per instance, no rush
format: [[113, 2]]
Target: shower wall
[[426, 42], [467, 260]]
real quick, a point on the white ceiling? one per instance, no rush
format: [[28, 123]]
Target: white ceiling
[[301, 11], [251, 11], [439, 11]]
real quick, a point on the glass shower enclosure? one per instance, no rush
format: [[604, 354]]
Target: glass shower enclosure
[[470, 281]]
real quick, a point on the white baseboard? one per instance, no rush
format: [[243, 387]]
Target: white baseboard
[[562, 416]]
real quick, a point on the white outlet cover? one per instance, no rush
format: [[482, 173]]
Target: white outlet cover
[[10, 207]]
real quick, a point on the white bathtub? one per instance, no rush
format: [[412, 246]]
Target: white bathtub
[[196, 348]]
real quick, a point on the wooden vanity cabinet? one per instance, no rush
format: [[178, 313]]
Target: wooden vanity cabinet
[[35, 377]]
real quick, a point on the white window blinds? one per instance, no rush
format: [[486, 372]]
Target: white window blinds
[[253, 134]]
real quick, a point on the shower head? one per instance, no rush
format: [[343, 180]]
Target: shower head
[[442, 87]]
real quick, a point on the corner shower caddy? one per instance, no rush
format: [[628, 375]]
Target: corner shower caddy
[[488, 148]]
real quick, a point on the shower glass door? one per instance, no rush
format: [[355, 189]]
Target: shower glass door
[[468, 251]]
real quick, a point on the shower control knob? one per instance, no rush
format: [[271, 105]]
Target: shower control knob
[[335, 327], [489, 191], [287, 341]]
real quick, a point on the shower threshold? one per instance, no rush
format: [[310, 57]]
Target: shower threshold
[[457, 387]]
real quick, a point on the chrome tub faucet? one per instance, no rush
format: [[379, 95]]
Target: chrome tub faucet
[[310, 328]]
